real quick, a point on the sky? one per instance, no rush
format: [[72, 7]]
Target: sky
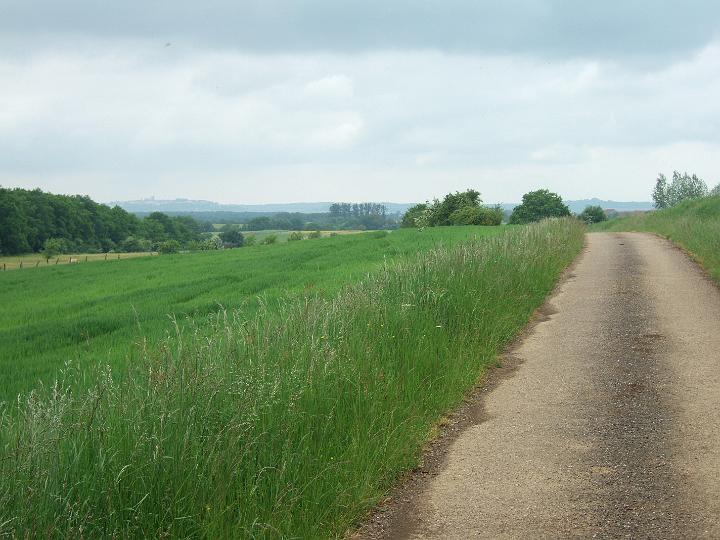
[[255, 101]]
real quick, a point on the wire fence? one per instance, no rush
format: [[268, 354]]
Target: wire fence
[[38, 261]]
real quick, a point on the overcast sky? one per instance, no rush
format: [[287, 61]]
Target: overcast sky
[[250, 101]]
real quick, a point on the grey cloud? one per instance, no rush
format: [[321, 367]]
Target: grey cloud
[[541, 27]]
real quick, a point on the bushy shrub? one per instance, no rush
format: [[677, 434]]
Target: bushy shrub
[[459, 208], [231, 236], [133, 244], [295, 236], [269, 239], [477, 215], [315, 234], [250, 240], [593, 214], [54, 247], [169, 246]]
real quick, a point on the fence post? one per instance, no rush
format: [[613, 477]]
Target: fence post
[[3, 267], [85, 258], [37, 264], [20, 264], [106, 256], [118, 256], [57, 260]]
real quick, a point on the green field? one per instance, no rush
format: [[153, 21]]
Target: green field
[[94, 313], [694, 225], [288, 417]]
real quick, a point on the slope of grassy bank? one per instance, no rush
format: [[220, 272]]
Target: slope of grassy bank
[[285, 422], [93, 312], [693, 225]]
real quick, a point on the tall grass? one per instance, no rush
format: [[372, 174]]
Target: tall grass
[[288, 423], [694, 225], [91, 312]]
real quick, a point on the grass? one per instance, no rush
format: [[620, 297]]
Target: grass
[[36, 260], [94, 313], [289, 420], [282, 235], [693, 225]]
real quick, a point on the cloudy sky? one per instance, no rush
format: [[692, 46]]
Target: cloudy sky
[[250, 101]]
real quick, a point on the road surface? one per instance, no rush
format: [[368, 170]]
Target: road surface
[[610, 425]]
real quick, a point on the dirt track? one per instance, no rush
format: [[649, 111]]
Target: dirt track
[[609, 427]]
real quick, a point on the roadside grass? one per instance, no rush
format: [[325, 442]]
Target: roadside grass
[[693, 225], [285, 421], [91, 313]]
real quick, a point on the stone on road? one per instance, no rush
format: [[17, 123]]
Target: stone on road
[[610, 425]]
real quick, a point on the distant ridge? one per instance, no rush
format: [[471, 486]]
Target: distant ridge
[[178, 206]]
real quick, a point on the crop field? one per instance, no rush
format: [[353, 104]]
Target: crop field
[[96, 312], [693, 225], [283, 417], [282, 235], [37, 260]]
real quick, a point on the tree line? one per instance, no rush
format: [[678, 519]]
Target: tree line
[[681, 187], [34, 221]]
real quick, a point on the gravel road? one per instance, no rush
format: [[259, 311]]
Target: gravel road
[[608, 426]]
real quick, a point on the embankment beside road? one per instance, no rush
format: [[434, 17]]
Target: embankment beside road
[[289, 423]]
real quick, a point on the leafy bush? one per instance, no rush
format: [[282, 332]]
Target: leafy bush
[[413, 214], [133, 244], [250, 240], [169, 246], [269, 239], [593, 214], [459, 208], [231, 236], [54, 247], [315, 234], [538, 205], [295, 236]]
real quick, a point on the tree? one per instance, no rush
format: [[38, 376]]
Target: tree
[[54, 247], [682, 187], [232, 236], [538, 205], [169, 246], [715, 191], [477, 215], [133, 244], [412, 214], [593, 214], [441, 211], [660, 193]]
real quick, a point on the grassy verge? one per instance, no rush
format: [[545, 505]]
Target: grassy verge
[[693, 225], [290, 422]]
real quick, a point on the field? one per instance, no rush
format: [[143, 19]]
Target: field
[[287, 417], [693, 225], [282, 236], [37, 260], [94, 313]]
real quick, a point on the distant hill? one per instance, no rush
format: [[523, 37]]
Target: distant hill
[[176, 206], [189, 206]]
